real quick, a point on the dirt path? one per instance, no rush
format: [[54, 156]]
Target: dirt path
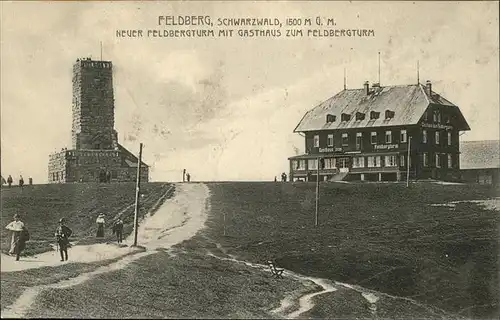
[[176, 220]]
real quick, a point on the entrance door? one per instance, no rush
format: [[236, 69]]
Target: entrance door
[[102, 176]]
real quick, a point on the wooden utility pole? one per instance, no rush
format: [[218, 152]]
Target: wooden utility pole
[[137, 187], [408, 163], [224, 223], [317, 194]]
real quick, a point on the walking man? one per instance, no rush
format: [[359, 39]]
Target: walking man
[[62, 235], [10, 180], [118, 230], [16, 227]]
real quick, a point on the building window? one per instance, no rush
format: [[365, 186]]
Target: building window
[[312, 164], [449, 137], [450, 162], [426, 159], [437, 117], [359, 137], [388, 137], [401, 160], [424, 136], [389, 114], [330, 118], [438, 160], [390, 161], [360, 116], [342, 163], [437, 135], [404, 136], [329, 163], [330, 140], [373, 138], [374, 161], [345, 117], [358, 162], [316, 141], [374, 115], [345, 139], [300, 164]]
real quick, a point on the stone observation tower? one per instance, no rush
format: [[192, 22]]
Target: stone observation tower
[[96, 155]]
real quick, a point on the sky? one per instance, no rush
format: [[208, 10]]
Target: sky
[[226, 108]]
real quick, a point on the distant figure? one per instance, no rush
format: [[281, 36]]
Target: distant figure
[[62, 235], [283, 177], [184, 175], [100, 226], [118, 230], [30, 179], [16, 227], [188, 177], [21, 181], [10, 180], [275, 179]]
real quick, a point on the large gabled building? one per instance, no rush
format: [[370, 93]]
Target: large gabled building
[[368, 133]]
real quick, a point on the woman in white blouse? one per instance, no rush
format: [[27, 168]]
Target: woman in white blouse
[[16, 227], [100, 225]]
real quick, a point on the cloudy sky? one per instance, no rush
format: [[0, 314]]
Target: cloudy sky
[[225, 108]]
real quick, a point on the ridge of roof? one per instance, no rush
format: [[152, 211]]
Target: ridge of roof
[[130, 154]]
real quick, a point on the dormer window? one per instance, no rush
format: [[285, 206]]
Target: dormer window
[[389, 114], [345, 117], [330, 118], [360, 116], [374, 115]]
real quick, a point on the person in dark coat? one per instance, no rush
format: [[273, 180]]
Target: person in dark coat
[[21, 244], [62, 235], [21, 181], [118, 230], [10, 180]]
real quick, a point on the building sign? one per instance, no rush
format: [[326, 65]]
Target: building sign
[[323, 150], [436, 126], [386, 146]]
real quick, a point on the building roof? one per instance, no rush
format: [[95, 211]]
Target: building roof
[[408, 102], [130, 159], [480, 154]]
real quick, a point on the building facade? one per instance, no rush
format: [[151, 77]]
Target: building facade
[[381, 133], [96, 155], [480, 162]]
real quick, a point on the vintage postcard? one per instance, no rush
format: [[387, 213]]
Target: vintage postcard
[[250, 159]]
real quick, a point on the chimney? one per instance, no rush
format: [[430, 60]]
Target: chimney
[[367, 88], [428, 86]]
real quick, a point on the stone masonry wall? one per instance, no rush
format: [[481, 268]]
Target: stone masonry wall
[[93, 105]]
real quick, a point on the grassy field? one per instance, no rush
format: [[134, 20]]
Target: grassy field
[[14, 283], [380, 236], [41, 206], [184, 285]]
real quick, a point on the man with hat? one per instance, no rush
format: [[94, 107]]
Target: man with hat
[[16, 227], [62, 235], [118, 230]]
